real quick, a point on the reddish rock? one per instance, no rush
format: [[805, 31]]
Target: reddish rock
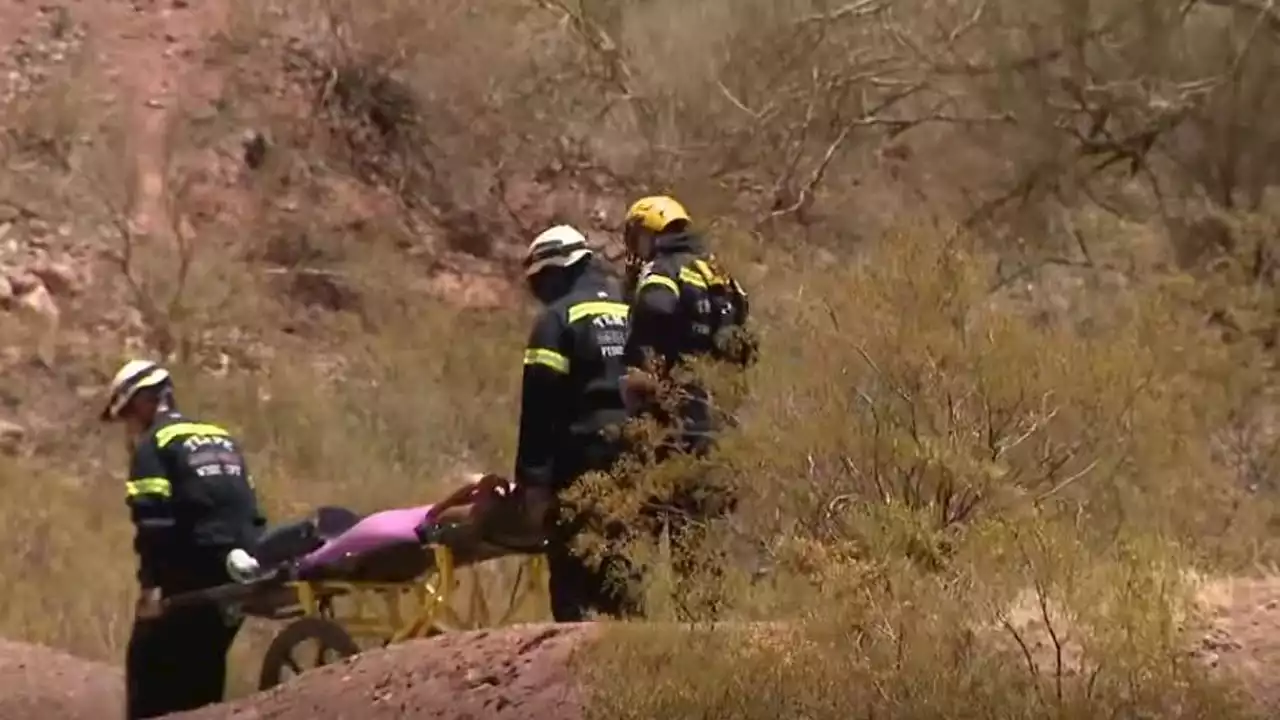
[[60, 278]]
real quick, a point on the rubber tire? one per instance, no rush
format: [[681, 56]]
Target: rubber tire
[[331, 635]]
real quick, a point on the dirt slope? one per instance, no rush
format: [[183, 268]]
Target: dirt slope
[[37, 682], [1244, 634], [518, 672], [135, 60], [524, 672]]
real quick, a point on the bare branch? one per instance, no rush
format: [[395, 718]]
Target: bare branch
[[876, 369], [499, 191], [312, 272], [1265, 12], [757, 115], [836, 505], [899, 125], [1042, 598], [1065, 482], [599, 41], [1032, 666], [1005, 445], [806, 192], [857, 9], [796, 152], [963, 28]]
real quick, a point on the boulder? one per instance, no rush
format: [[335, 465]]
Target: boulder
[[59, 278]]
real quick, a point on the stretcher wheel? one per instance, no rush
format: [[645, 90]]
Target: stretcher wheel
[[288, 655]]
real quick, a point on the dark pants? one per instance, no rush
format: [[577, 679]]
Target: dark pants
[[580, 585], [178, 661], [685, 517], [696, 564]]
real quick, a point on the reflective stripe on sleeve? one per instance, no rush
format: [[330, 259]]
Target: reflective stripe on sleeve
[[155, 486], [693, 277], [596, 307], [662, 280], [546, 358]]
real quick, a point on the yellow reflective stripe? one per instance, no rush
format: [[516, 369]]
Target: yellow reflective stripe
[[594, 308], [148, 486], [710, 275], [662, 280], [693, 277], [167, 435], [548, 358]]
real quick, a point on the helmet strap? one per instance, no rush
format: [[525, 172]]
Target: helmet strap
[[166, 401], [639, 241]]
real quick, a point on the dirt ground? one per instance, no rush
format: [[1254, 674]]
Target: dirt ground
[[37, 682], [1243, 638], [518, 672], [524, 672]]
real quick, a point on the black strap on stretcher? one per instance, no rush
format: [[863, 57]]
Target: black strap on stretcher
[[227, 593]]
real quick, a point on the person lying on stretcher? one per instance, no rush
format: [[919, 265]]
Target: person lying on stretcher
[[476, 521]]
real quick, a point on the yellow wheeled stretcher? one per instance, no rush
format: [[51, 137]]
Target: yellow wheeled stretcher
[[338, 578]]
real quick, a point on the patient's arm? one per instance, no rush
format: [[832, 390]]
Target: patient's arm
[[476, 509], [475, 489]]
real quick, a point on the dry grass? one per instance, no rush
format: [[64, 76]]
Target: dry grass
[[984, 239]]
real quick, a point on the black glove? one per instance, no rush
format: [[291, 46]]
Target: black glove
[[426, 531], [537, 505]]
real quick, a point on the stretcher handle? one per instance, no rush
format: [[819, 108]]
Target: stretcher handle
[[217, 594]]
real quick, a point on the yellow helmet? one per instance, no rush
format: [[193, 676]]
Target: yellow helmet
[[655, 213]]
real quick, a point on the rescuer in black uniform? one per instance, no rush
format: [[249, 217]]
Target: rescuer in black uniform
[[192, 502], [571, 398], [683, 306]]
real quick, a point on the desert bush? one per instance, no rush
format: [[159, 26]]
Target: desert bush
[[926, 396], [1095, 638], [913, 458]]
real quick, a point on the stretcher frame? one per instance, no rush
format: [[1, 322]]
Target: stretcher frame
[[375, 611], [312, 611]]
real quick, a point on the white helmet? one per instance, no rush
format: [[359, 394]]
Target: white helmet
[[560, 246], [134, 376]]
